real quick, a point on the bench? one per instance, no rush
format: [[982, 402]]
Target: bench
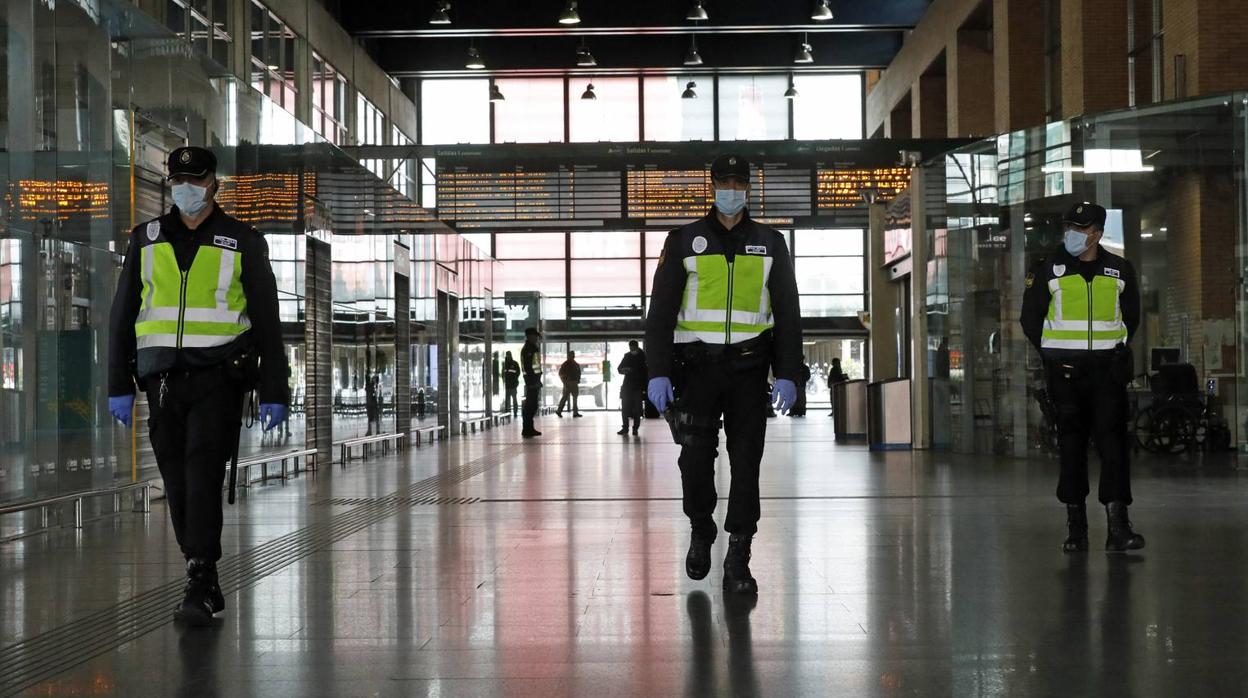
[[142, 504], [483, 422], [436, 430], [501, 419], [264, 459], [364, 442]]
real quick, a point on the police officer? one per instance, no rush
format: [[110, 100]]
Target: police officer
[[195, 324], [511, 379], [531, 363], [724, 312], [1081, 308]]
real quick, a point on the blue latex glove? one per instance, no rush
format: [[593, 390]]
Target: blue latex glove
[[783, 394], [271, 415], [660, 393], [122, 408]]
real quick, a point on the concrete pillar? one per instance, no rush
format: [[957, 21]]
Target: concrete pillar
[[969, 79], [928, 106], [881, 300], [1018, 63], [1094, 50], [899, 120]]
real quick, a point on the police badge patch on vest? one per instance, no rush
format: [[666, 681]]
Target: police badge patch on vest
[[699, 245], [1113, 272], [153, 230], [756, 249], [1059, 269], [222, 241]]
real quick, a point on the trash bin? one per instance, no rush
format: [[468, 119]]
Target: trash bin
[[849, 415], [888, 426]]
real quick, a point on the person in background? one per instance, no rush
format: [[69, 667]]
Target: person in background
[[531, 364], [803, 380], [632, 392], [570, 375], [511, 381]]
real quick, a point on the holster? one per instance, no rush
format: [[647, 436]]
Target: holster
[[244, 371], [689, 429]]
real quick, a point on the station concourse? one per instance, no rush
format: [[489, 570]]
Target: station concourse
[[934, 258]]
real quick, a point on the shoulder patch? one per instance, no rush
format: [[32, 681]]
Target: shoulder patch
[[1113, 272], [1059, 269], [756, 249], [1030, 280], [153, 229], [223, 241], [699, 245]]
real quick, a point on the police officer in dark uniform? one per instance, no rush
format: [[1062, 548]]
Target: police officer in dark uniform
[[195, 324], [1081, 308], [531, 364], [724, 312], [511, 379]]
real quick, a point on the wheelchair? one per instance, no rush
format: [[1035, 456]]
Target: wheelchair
[[1178, 417]]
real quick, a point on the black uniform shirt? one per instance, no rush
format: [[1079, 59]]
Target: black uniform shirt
[[1036, 296], [259, 287], [633, 367], [669, 290], [511, 373]]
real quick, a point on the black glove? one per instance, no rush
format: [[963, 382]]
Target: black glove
[[1122, 365]]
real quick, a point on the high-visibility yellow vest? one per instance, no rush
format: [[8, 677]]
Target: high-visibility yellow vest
[[725, 302], [202, 307], [1084, 315]]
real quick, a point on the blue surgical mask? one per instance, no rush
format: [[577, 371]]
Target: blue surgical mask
[[1076, 242], [729, 201], [190, 199]]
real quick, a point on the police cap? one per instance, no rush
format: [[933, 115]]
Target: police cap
[[1084, 214], [192, 161], [730, 165]]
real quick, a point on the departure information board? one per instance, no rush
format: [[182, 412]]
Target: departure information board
[[528, 198]]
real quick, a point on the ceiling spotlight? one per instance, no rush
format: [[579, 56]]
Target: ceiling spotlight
[[803, 52], [697, 13], [569, 14], [496, 95], [689, 93], [584, 58], [822, 12], [693, 57], [474, 59], [442, 13], [589, 92], [791, 93]]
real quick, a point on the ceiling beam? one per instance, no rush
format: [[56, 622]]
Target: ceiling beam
[[625, 31]]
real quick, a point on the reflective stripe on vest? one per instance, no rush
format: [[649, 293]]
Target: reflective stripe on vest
[[724, 303], [1084, 315], [203, 307]]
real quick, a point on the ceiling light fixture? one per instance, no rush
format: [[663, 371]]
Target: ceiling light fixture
[[589, 92], [689, 93], [804, 54], [693, 57], [474, 59], [822, 12], [791, 93], [569, 14], [442, 13], [584, 58], [697, 13], [496, 95]]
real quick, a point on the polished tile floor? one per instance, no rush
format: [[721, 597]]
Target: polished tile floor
[[489, 566]]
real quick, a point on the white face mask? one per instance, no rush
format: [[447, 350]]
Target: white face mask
[[190, 199], [729, 201]]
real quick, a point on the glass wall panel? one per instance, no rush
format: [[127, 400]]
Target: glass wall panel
[[827, 106], [671, 117], [546, 276], [606, 244], [613, 116], [605, 277], [828, 243], [829, 274], [530, 245], [532, 111], [455, 111], [753, 108]]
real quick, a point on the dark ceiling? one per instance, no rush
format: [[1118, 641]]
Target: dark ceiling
[[524, 36]]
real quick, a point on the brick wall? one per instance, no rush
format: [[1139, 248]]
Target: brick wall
[[1094, 56], [969, 79]]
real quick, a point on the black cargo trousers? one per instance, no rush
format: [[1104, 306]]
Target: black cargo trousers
[[194, 427], [1090, 394], [711, 381]]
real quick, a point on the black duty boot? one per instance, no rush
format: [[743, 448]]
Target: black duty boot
[[1121, 538], [698, 560], [1076, 529], [737, 579], [623, 432], [203, 595]]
